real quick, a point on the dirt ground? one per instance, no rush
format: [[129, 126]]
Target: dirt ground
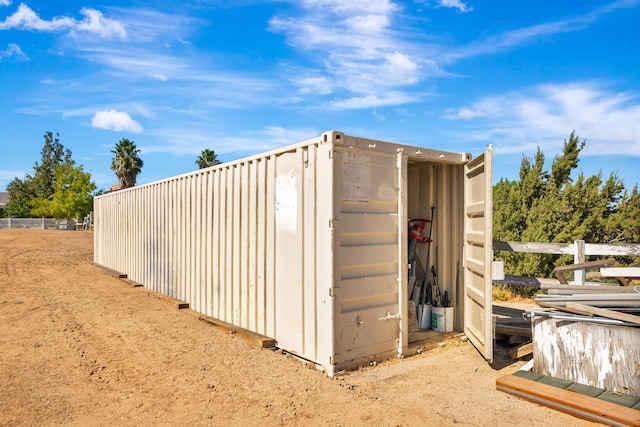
[[79, 347]]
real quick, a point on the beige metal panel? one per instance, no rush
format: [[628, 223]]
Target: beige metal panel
[[182, 251], [208, 246], [235, 218], [327, 265], [288, 252], [449, 225], [478, 254], [309, 248], [369, 273], [226, 301], [423, 154], [199, 254], [175, 237], [252, 246], [403, 234], [270, 248], [260, 244]]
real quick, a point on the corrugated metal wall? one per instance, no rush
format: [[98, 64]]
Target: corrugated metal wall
[[369, 229], [306, 244], [239, 242]]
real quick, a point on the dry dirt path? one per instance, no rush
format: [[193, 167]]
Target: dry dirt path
[[79, 347]]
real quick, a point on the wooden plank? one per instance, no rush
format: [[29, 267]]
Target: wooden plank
[[245, 334], [521, 351], [109, 271], [590, 290], [561, 307], [515, 340], [169, 300], [507, 311], [593, 286], [620, 272], [570, 402], [131, 283], [559, 271], [612, 249], [610, 314], [533, 247], [513, 330], [513, 321], [531, 282]]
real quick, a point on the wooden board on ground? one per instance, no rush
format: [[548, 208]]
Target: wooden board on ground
[[131, 283], [513, 330], [247, 335], [109, 271], [180, 305], [521, 351], [568, 401]]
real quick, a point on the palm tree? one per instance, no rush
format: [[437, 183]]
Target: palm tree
[[207, 158], [126, 163]]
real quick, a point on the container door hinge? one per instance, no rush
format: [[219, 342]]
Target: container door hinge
[[332, 292], [332, 223]]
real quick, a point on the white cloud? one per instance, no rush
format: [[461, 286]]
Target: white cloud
[[313, 84], [373, 100], [167, 29], [13, 50], [353, 6], [546, 114], [26, 19], [401, 68], [525, 35], [455, 4], [94, 22], [5, 2], [361, 58], [115, 121]]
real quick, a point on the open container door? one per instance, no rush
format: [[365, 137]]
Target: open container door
[[478, 253]]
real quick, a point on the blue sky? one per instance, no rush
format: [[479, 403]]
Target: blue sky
[[242, 77]]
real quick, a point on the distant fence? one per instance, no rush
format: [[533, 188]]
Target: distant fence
[[37, 223], [579, 249]]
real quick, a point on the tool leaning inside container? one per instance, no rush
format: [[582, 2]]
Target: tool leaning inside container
[[416, 271], [442, 300], [425, 282], [425, 290]]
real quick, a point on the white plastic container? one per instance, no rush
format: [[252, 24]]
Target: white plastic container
[[442, 319]]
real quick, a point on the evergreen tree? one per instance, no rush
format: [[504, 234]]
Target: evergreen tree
[[551, 207]]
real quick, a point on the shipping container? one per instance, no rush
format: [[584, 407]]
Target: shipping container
[[307, 244]]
